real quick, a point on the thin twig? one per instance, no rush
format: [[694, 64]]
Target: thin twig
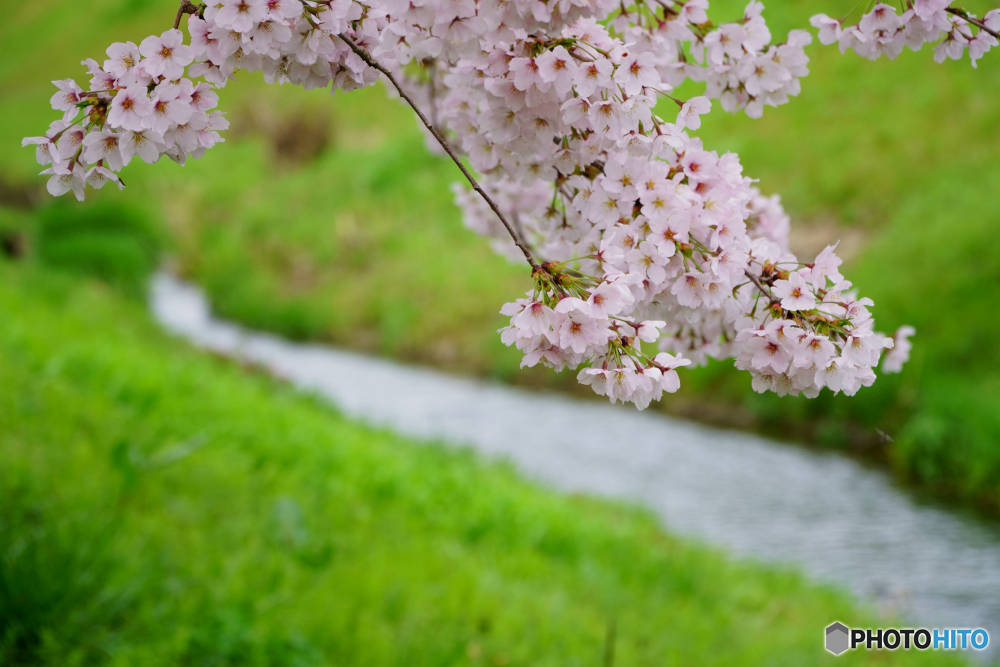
[[962, 14], [187, 7], [371, 62], [764, 290]]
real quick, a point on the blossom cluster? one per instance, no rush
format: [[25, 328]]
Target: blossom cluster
[[681, 251], [142, 103], [139, 105], [654, 251], [666, 254], [744, 70], [564, 331], [884, 32], [290, 41]]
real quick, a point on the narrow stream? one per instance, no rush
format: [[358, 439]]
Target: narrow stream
[[835, 519]]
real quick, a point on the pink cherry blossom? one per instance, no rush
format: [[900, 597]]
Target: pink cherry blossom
[[166, 55], [795, 293], [123, 58], [144, 143], [829, 29], [241, 15], [864, 348], [608, 299], [593, 76], [61, 182], [899, 354], [102, 146], [881, 17], [578, 332], [130, 108], [97, 177], [636, 71], [171, 107], [67, 98], [558, 68], [691, 112]]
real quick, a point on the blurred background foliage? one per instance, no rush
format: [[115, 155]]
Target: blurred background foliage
[[158, 506]]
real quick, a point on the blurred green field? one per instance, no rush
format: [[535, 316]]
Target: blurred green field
[[159, 506], [327, 219]]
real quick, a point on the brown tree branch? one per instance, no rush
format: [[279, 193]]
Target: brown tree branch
[[764, 290], [962, 14], [371, 62], [187, 7]]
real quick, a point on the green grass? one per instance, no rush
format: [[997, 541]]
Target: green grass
[[160, 506], [350, 236], [114, 243]]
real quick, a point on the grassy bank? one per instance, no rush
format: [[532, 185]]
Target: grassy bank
[[328, 220], [159, 506]]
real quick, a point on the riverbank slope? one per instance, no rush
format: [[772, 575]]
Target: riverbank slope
[[159, 506]]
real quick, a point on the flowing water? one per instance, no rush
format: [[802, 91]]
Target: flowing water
[[830, 516]]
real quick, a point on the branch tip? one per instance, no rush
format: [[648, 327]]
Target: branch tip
[[187, 7]]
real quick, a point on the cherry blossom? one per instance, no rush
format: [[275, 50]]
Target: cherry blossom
[[648, 250], [130, 108], [166, 55], [123, 59], [899, 354], [689, 116], [101, 146], [794, 293], [881, 31]]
